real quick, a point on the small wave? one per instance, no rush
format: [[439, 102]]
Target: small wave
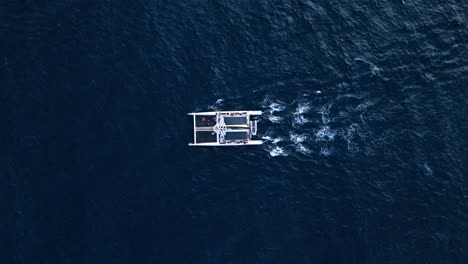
[[216, 106], [325, 134], [277, 151], [362, 60], [362, 106], [427, 170], [429, 76], [373, 68]]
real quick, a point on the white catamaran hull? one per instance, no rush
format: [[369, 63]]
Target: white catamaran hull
[[225, 128]]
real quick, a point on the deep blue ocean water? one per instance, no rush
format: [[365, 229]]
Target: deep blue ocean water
[[365, 123]]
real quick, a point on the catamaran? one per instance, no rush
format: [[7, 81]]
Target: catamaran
[[225, 128]]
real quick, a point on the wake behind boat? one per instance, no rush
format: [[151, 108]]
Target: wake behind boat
[[225, 128]]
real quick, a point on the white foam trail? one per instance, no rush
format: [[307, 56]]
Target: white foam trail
[[297, 138], [219, 101], [303, 149], [300, 120], [276, 140], [350, 132], [274, 119], [325, 134], [277, 151], [325, 151], [276, 107], [349, 136], [273, 140], [302, 108], [325, 112]]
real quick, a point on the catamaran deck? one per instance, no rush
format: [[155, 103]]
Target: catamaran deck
[[206, 136], [236, 120], [237, 135], [205, 120]]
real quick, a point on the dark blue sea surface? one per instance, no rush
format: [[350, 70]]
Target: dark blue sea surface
[[365, 126]]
